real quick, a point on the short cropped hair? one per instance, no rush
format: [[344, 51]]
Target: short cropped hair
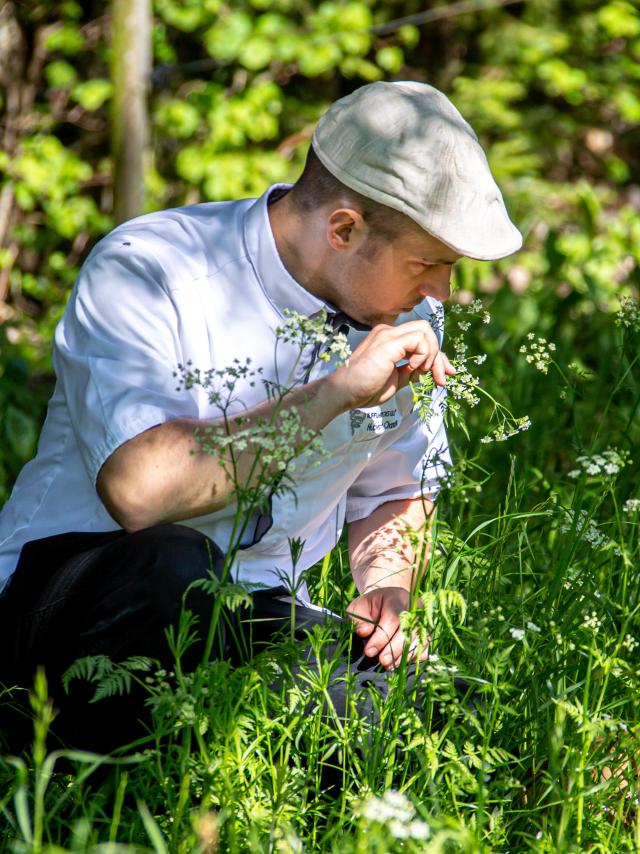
[[317, 187]]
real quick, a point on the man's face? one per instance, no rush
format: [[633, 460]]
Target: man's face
[[383, 279]]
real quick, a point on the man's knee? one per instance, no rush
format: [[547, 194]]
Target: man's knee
[[141, 581], [176, 554], [169, 559]]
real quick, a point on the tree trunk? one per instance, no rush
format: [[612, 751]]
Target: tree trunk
[[130, 72]]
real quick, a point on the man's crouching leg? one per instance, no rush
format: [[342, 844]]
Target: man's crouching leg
[[114, 595], [369, 715]]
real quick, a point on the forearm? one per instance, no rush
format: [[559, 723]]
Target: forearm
[[389, 547], [165, 474]]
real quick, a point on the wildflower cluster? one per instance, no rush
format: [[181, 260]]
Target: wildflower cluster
[[473, 309], [506, 430], [631, 505], [559, 639], [628, 315], [587, 529], [268, 445], [220, 384], [538, 352], [396, 813], [276, 442], [519, 634], [315, 331], [463, 389], [592, 622], [608, 464]]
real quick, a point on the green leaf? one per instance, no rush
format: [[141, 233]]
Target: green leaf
[[71, 9], [409, 35], [356, 43], [354, 16], [563, 79], [93, 93], [21, 432], [48, 168], [21, 799], [318, 59], [353, 66], [178, 118], [60, 74], [58, 261], [390, 58], [272, 25], [186, 15], [190, 164], [153, 830], [24, 197], [256, 53], [66, 39], [227, 37], [71, 215], [627, 104], [6, 258], [619, 19], [617, 169]]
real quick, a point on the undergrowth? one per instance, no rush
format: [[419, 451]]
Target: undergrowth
[[524, 735]]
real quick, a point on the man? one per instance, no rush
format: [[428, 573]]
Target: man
[[121, 509]]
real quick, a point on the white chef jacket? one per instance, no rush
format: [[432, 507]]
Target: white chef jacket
[[204, 285]]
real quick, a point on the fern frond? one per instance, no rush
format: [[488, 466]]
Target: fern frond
[[110, 677], [90, 668]]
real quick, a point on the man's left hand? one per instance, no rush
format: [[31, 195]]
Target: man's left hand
[[376, 615]]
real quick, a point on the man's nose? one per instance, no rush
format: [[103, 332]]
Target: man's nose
[[438, 284]]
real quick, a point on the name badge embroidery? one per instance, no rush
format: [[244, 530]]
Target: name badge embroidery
[[373, 421]]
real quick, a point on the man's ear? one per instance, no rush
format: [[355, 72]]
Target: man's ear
[[346, 229]]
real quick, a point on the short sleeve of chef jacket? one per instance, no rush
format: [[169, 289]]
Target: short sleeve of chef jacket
[[117, 349]]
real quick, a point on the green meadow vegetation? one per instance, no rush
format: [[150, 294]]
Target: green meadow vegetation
[[531, 591]]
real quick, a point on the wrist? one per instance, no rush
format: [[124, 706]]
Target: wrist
[[390, 576], [370, 588], [337, 393]]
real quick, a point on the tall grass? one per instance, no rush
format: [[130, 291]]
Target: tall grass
[[531, 596]]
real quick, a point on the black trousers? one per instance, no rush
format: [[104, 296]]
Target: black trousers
[[115, 594]]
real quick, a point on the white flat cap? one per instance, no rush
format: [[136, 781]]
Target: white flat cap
[[406, 146]]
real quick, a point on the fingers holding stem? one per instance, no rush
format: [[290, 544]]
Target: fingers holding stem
[[378, 624]]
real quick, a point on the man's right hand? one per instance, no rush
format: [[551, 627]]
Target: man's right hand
[[372, 376]]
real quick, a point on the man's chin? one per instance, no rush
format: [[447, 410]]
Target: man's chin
[[388, 319], [377, 319]]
